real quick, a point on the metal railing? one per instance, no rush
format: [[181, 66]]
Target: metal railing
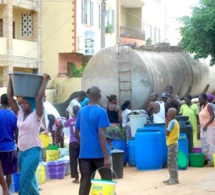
[[130, 32]]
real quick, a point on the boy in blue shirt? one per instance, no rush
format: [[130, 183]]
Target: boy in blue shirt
[[172, 133], [8, 150], [91, 123]]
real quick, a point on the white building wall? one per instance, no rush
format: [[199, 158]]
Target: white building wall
[[154, 20], [82, 29]]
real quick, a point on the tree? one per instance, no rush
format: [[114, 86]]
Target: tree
[[198, 31]]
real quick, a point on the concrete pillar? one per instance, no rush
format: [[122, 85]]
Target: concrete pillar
[[8, 33]]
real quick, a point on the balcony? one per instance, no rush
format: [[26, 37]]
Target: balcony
[[132, 4], [26, 49], [3, 48], [26, 4], [134, 33]]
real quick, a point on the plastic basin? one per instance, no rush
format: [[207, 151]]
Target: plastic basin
[[197, 160], [26, 84], [197, 150], [56, 169]]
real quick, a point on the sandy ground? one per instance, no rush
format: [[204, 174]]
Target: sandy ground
[[193, 181]]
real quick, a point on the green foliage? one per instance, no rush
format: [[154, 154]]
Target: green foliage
[[149, 41], [198, 31], [109, 28], [74, 71]]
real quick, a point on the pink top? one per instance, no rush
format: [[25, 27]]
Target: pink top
[[29, 130], [204, 116]]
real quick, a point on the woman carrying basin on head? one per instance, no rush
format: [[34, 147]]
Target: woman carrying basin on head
[[29, 119]]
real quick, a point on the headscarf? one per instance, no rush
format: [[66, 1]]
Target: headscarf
[[32, 101], [210, 97]]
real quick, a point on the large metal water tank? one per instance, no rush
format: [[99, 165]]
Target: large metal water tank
[[134, 74]]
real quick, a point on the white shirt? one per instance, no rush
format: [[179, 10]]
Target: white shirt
[[70, 107], [125, 114], [160, 116]]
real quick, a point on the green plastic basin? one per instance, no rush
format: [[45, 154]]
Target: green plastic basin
[[197, 160]]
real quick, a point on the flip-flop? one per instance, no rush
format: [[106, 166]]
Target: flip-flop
[[172, 182], [166, 181]]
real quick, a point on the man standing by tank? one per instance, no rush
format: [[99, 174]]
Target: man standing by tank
[[91, 123], [8, 154], [173, 101], [76, 101], [157, 108]]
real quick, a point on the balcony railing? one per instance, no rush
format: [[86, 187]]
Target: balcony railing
[[130, 32]]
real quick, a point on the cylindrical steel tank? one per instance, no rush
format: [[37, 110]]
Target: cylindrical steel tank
[[135, 73]]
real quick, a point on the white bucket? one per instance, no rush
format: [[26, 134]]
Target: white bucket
[[137, 121]]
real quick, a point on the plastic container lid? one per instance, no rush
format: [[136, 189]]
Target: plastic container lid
[[182, 159], [45, 140], [115, 151]]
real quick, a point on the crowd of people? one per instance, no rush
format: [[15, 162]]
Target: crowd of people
[[92, 129]]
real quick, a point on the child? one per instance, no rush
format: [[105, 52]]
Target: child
[[74, 146], [59, 132], [172, 133], [126, 110]]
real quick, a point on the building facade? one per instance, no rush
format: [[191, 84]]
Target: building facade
[[154, 21], [131, 22], [71, 36], [20, 37]]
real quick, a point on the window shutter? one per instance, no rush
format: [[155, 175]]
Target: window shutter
[[107, 22], [113, 20], [91, 13], [83, 11], [86, 11], [99, 16]]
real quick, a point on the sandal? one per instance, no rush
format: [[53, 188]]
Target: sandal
[[166, 181], [75, 181], [172, 182], [210, 164]]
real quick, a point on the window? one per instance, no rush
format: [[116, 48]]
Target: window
[[27, 24], [110, 19], [87, 12], [155, 35], [159, 35], [91, 13], [150, 31]]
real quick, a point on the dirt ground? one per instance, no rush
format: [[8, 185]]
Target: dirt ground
[[193, 181]]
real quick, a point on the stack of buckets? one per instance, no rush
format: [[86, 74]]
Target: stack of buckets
[[52, 153], [197, 158]]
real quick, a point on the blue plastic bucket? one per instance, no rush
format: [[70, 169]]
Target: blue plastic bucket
[[183, 146], [161, 128], [16, 178], [131, 152], [148, 149], [121, 145]]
